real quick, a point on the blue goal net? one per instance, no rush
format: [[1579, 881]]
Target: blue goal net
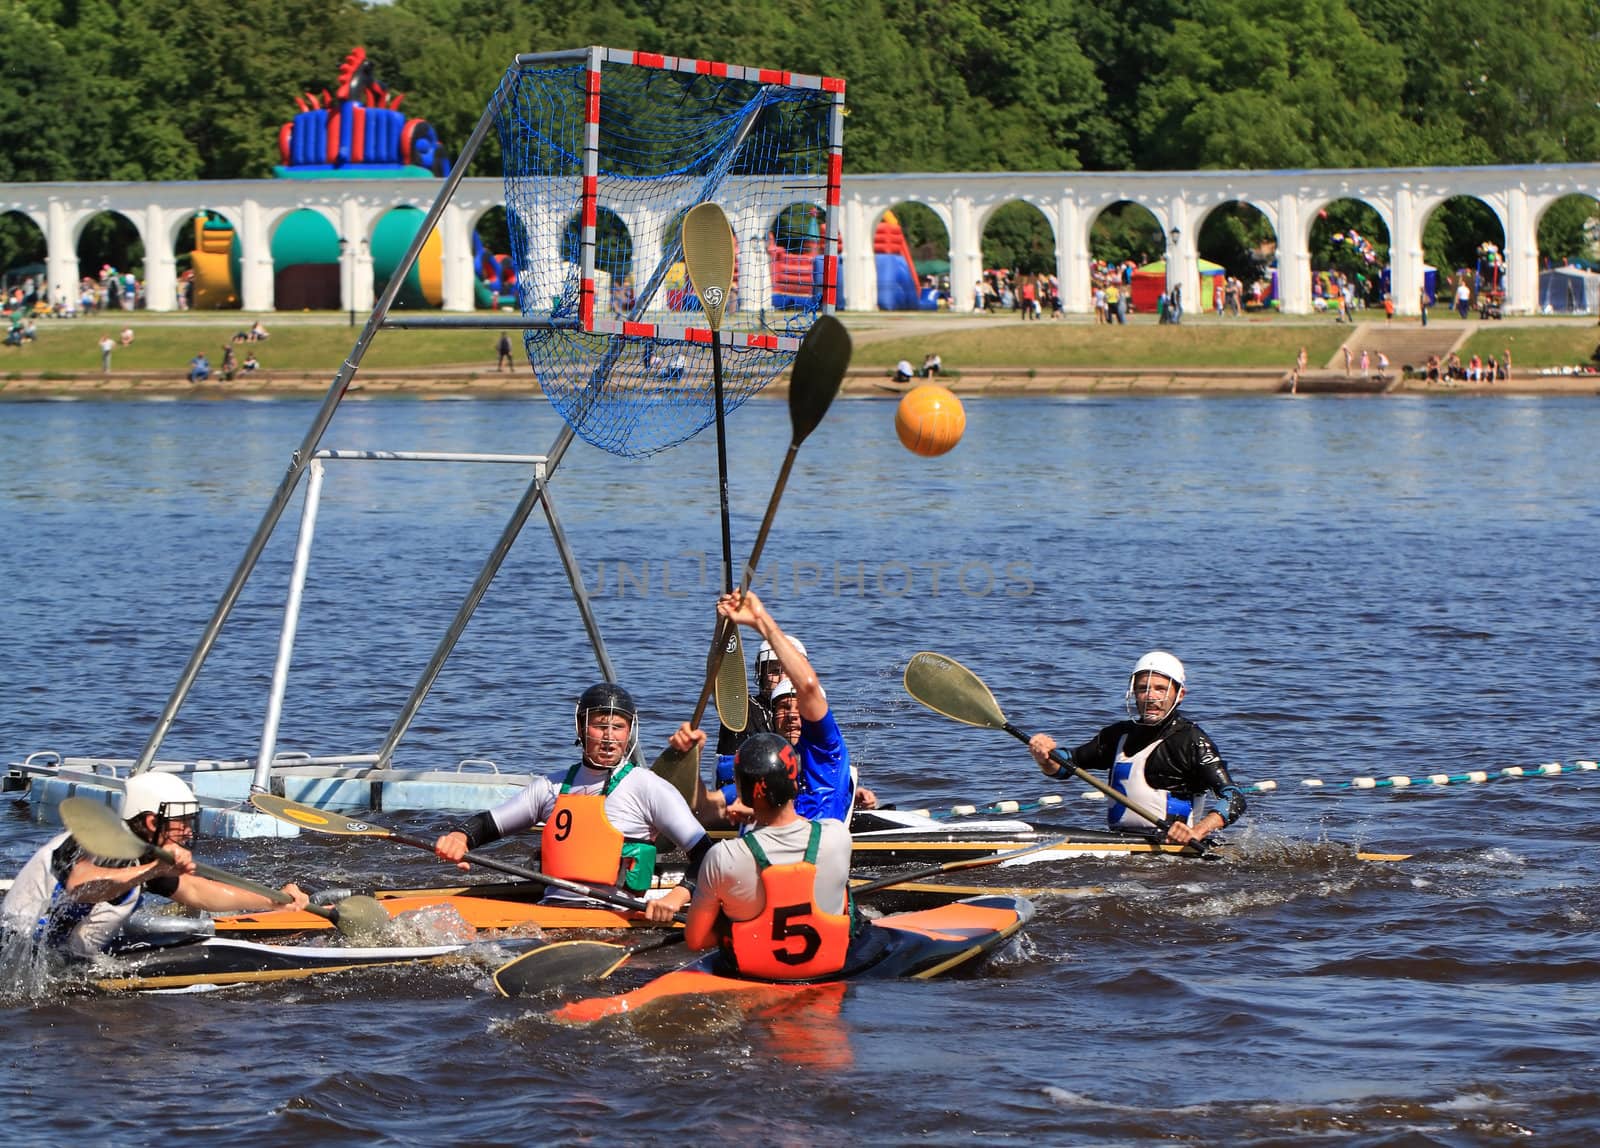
[[604, 152]]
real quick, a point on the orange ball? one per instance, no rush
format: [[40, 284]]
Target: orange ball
[[930, 420]]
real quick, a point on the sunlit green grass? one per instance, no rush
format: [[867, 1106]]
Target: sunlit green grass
[[164, 344]]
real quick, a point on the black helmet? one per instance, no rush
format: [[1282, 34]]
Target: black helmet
[[608, 697], [767, 763]]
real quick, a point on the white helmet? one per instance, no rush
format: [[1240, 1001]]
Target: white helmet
[[166, 795], [1155, 662], [782, 690], [767, 654], [1160, 662]]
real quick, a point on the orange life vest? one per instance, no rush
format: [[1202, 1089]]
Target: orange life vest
[[791, 939], [579, 843]]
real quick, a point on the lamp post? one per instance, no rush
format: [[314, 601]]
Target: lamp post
[[1174, 277]]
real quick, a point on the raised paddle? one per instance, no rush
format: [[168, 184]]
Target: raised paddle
[[819, 368], [101, 833], [322, 821], [708, 257], [947, 687]]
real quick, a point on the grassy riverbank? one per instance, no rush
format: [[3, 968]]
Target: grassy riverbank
[[318, 343]]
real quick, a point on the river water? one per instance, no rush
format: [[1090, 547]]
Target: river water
[[1358, 587]]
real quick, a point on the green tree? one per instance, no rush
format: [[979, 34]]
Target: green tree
[[39, 128], [1240, 238], [1018, 238], [1271, 84], [1126, 231], [1568, 228]]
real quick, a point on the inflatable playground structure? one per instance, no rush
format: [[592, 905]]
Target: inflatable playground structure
[[900, 285], [357, 131]]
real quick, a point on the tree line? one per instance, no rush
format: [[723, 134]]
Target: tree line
[[146, 89]]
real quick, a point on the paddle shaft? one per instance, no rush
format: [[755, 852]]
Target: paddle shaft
[[819, 367], [1162, 823], [722, 463], [223, 877], [952, 866], [719, 645], [621, 900]]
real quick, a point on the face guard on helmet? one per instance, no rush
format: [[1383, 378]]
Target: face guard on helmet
[[768, 668], [611, 699], [766, 765], [1155, 688], [165, 795]]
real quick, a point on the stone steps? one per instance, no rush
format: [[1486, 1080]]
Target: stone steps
[[1406, 344]]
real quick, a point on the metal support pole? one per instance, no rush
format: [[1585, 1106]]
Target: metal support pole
[[569, 563], [291, 622], [319, 425]]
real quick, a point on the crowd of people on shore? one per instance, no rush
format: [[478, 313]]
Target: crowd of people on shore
[[1452, 369], [1025, 294]]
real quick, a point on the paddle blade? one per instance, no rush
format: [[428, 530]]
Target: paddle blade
[[819, 367], [682, 770], [361, 918], [947, 687], [733, 696], [100, 832], [317, 820], [563, 963], [708, 256]]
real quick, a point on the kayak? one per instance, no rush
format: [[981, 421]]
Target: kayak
[[478, 910], [918, 945], [512, 906], [200, 962]]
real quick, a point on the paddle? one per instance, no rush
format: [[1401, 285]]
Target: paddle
[[952, 866], [321, 821], [819, 368], [947, 687], [102, 833], [708, 257]]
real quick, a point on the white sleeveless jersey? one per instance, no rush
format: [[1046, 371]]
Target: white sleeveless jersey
[[36, 905], [1127, 778]]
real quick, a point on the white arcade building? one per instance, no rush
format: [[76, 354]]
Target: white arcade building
[[1070, 202]]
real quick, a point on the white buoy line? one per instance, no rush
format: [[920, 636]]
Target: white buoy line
[[1307, 784]]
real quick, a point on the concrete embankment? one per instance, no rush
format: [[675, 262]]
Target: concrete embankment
[[436, 382]]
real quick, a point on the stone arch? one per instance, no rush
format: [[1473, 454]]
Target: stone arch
[[389, 234], [794, 245], [1242, 239], [1124, 231], [1122, 237], [1018, 219], [1568, 231], [1349, 240], [1464, 236], [1017, 240], [206, 249], [493, 267], [921, 231], [110, 238], [24, 251], [307, 272], [613, 253]]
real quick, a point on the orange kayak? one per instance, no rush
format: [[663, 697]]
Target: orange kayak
[[919, 945], [479, 912]]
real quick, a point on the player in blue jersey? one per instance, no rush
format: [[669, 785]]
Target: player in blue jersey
[[801, 714]]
